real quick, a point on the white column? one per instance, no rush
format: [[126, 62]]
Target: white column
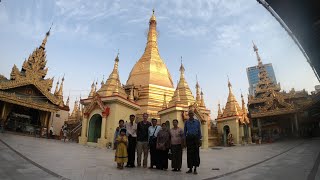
[[83, 138], [102, 141], [205, 139], [103, 127]]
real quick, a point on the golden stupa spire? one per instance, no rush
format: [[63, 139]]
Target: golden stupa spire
[[44, 42], [232, 107], [150, 66], [165, 105], [198, 94], [219, 110], [57, 88], [68, 99], [113, 82], [178, 96], [202, 104], [102, 81], [255, 49], [60, 92], [182, 90], [91, 94]]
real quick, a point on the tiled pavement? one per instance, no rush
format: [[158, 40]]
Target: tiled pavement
[[52, 159]]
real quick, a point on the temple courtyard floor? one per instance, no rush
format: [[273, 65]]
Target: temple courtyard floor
[[23, 157]]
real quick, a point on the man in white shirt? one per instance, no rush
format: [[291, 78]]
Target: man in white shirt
[[153, 132], [132, 139]]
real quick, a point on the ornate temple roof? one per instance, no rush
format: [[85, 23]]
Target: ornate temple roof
[[113, 85], [32, 74], [150, 69], [269, 101], [232, 107], [182, 95]]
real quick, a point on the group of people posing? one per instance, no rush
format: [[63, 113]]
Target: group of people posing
[[162, 142]]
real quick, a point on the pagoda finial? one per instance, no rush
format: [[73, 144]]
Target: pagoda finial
[[202, 99], [92, 90], [57, 88], [165, 105], [60, 92], [153, 17], [255, 49], [43, 45], [67, 103], [181, 68], [198, 95]]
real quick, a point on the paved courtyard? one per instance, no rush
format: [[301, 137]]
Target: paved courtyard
[[24, 157]]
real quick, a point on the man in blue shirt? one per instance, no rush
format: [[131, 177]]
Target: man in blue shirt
[[193, 137]]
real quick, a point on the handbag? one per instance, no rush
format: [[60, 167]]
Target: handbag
[[170, 155], [153, 139]]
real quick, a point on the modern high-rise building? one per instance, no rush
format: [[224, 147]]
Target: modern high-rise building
[[253, 76]]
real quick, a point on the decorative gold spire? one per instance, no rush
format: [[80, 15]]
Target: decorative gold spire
[[131, 97], [150, 69], [57, 88], [67, 103], [202, 104], [165, 105], [60, 92], [44, 42], [219, 111], [113, 82], [75, 109], [182, 90], [198, 95], [91, 94], [232, 107]]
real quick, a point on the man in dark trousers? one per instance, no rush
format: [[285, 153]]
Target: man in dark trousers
[[132, 138], [193, 137], [142, 140]]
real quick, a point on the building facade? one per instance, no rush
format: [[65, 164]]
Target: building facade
[[253, 76], [233, 120], [275, 113]]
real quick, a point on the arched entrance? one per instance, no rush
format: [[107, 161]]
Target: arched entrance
[[226, 131], [94, 128]]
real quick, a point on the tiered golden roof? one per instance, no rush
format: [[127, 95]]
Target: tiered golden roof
[[232, 107], [182, 92], [268, 99], [33, 73], [113, 84], [150, 69]]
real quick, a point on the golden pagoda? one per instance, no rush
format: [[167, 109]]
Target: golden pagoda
[[234, 120], [149, 89], [274, 113], [182, 101], [26, 101], [150, 77], [103, 108]]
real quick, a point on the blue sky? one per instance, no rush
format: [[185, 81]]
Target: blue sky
[[213, 37]]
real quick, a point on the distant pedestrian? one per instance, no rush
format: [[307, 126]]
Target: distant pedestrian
[[51, 132], [153, 132], [193, 137], [142, 140], [121, 155], [132, 139], [65, 132], [177, 143], [163, 145]]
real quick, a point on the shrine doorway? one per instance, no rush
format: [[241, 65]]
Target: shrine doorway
[[94, 131]]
